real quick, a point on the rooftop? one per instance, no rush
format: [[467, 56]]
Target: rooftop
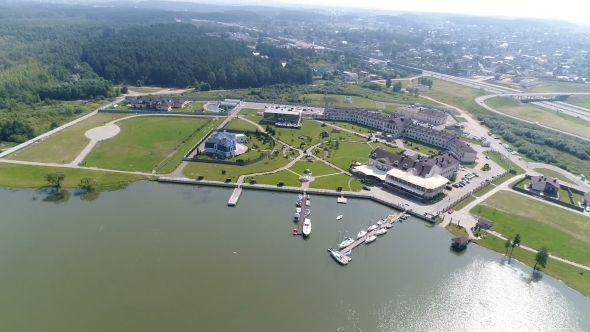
[[545, 179]]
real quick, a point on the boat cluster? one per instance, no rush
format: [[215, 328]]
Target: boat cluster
[[306, 229]]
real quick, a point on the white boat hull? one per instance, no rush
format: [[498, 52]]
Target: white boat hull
[[370, 239], [361, 234], [339, 217], [306, 227], [345, 244]]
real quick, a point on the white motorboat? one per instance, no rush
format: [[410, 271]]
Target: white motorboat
[[381, 231], [298, 210], [347, 241], [389, 225], [296, 217], [307, 227], [339, 217], [307, 212], [380, 222], [298, 203], [361, 233], [308, 202], [372, 228], [339, 258], [348, 253], [370, 238]]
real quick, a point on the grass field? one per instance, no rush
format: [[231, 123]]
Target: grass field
[[143, 143], [251, 112], [453, 94], [385, 147], [193, 106], [557, 86], [311, 129], [541, 115], [502, 163], [580, 100], [572, 276], [348, 152], [420, 147], [457, 230], [122, 106], [338, 100], [566, 233], [464, 203], [215, 172], [356, 127], [288, 178], [27, 176], [64, 146], [239, 124], [332, 182], [553, 174], [316, 167]]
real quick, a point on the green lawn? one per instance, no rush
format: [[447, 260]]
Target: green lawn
[[64, 146], [485, 190], [356, 127], [239, 124], [580, 100], [122, 106], [174, 160], [572, 276], [288, 178], [316, 167], [453, 94], [338, 100], [502, 162], [348, 152], [332, 182], [143, 142], [531, 112], [557, 86], [311, 129], [424, 148], [214, 172], [27, 176], [193, 106], [471, 140], [553, 174], [251, 111], [456, 230], [464, 203], [566, 233]]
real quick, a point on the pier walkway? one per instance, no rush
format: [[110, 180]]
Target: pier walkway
[[235, 196], [361, 240], [302, 214]]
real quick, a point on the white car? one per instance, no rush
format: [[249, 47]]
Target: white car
[[587, 208]]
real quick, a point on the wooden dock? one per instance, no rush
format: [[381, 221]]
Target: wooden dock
[[235, 196], [302, 214], [358, 242]]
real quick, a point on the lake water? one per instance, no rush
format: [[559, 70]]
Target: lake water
[[158, 257]]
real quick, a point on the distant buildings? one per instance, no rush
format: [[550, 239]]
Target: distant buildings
[[283, 116], [528, 82], [223, 144], [423, 177], [350, 77], [156, 103], [397, 126]]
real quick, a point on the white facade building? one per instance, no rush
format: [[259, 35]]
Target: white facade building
[[424, 114]]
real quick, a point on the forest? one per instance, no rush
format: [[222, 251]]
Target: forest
[[180, 55]]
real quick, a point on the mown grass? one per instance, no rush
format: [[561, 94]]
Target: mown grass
[[338, 100], [463, 203], [386, 147], [531, 112], [315, 166], [505, 163], [28, 176], [424, 148], [143, 143], [566, 233], [580, 100], [311, 129], [572, 276], [348, 152], [557, 86], [288, 179], [332, 182], [64, 146], [239, 124], [457, 230]]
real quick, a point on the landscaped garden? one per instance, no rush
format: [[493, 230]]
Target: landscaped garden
[[315, 166], [309, 134], [342, 154], [288, 179], [239, 124], [421, 147], [332, 182], [144, 142]]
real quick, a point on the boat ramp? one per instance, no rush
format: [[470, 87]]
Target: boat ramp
[[235, 196], [388, 221]]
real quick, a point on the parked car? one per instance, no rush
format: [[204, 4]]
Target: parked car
[[455, 185], [366, 188], [587, 208], [451, 211]]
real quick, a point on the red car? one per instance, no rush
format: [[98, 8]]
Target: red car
[[451, 211]]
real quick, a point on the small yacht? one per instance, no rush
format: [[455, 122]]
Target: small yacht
[[307, 212], [347, 241], [306, 227], [370, 239], [381, 231], [298, 204], [339, 258], [298, 210], [308, 202], [372, 228], [361, 233], [296, 217], [339, 217], [389, 225], [380, 222]]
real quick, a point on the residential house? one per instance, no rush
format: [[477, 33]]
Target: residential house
[[221, 144], [484, 223], [545, 184]]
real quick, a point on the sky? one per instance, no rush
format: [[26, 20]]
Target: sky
[[569, 10]]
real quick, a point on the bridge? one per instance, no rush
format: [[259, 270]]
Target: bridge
[[527, 98]]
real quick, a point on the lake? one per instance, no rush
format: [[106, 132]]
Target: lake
[[164, 257]]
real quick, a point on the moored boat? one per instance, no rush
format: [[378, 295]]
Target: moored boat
[[298, 210], [339, 217], [306, 227], [389, 225], [347, 241], [308, 202], [296, 217], [307, 212], [361, 233], [372, 228], [381, 231], [370, 238], [338, 257]]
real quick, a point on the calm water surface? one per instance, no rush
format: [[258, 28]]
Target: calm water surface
[[160, 257]]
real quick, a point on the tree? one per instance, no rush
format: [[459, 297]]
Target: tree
[[515, 242], [397, 87], [507, 245], [55, 179], [88, 184], [124, 89], [388, 82], [541, 258]]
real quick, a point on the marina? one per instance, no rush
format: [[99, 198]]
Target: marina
[[341, 255], [235, 196], [302, 203]]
